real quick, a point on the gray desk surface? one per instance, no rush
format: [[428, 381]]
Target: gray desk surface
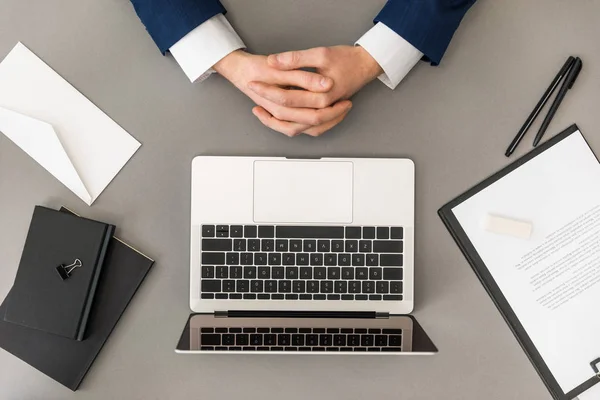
[[454, 121]]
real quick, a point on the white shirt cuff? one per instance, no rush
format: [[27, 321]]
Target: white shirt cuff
[[206, 45], [394, 54]]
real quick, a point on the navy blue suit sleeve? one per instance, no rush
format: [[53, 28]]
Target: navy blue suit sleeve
[[168, 21], [426, 24]]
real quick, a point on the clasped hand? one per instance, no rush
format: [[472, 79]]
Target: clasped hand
[[294, 101]]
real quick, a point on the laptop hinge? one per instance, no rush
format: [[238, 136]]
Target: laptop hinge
[[300, 314]]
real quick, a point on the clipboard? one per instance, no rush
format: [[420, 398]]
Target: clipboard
[[470, 253]]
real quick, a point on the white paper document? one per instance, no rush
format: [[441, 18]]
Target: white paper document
[[58, 127], [552, 279]]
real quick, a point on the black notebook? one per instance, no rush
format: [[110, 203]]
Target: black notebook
[[65, 360], [58, 273]]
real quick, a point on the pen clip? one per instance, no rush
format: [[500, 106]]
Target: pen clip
[[594, 365], [577, 66]]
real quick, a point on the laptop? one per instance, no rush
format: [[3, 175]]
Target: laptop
[[302, 256]]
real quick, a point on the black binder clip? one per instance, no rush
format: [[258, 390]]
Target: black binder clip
[[64, 271], [594, 365]]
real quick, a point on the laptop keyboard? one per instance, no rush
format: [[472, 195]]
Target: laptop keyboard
[[302, 263], [300, 339]]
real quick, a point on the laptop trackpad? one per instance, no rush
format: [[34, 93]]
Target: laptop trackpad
[[303, 191]]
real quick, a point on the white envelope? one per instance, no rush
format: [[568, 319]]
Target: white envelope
[[58, 127]]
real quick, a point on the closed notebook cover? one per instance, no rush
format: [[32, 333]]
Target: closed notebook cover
[[40, 298], [67, 361]]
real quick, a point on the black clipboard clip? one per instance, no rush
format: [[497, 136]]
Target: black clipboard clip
[[595, 365]]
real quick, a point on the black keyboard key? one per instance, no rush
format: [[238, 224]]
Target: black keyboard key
[[306, 272], [325, 340], [395, 340], [375, 297], [312, 286], [330, 259], [353, 340], [351, 246], [368, 287], [310, 246], [289, 259], [271, 286], [291, 273], [250, 272], [392, 297], [396, 287], [207, 330], [326, 287], [277, 330], [392, 331], [382, 287], [362, 273], [334, 273], [248, 348], [373, 349], [278, 272], [298, 340], [372, 260], [366, 340], [266, 231], [358, 260], [264, 272], [208, 231], [361, 297], [397, 233], [247, 259], [305, 297], [316, 259], [347, 330], [347, 297], [236, 231], [368, 232], [221, 330], [374, 330], [290, 330], [381, 340], [263, 330], [242, 286], [352, 232], [210, 286], [375, 273], [388, 246], [365, 246], [229, 286], [213, 258], [285, 286], [235, 272], [284, 339], [256, 286], [341, 287], [217, 244], [275, 259], [256, 340], [390, 260], [250, 231], [392, 274], [318, 349], [235, 348], [208, 271], [261, 259], [277, 296], [347, 273], [263, 296], [239, 245], [302, 259], [222, 231], [281, 245], [296, 245], [337, 246], [235, 296], [270, 339], [339, 340], [221, 296], [354, 287], [291, 296], [323, 246], [310, 232], [383, 233], [223, 272], [333, 297], [228, 340], [312, 340], [305, 330], [344, 260], [320, 272], [207, 296], [320, 297], [249, 296], [267, 245], [254, 245]]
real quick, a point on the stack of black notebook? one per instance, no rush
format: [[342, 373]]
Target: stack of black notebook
[[73, 284]]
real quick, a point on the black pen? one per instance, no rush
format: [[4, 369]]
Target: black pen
[[540, 105], [568, 84]]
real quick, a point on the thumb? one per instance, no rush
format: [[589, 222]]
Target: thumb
[[315, 58]]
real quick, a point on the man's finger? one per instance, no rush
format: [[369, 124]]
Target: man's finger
[[290, 129], [316, 57], [290, 98], [310, 116], [319, 130], [303, 79]]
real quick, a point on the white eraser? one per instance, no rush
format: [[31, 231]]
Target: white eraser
[[508, 226]]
